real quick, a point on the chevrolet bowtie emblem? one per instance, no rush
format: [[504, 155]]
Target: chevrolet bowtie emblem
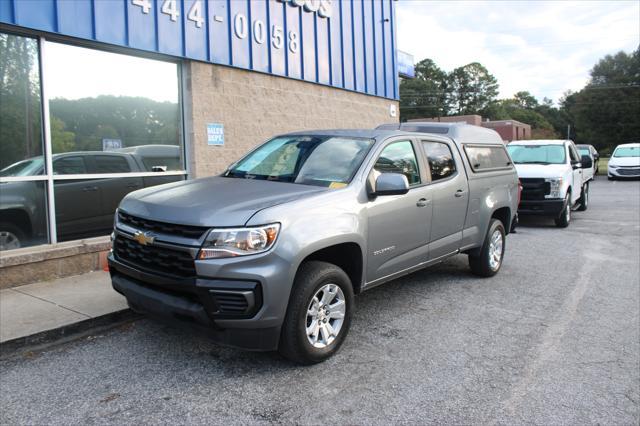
[[144, 238]]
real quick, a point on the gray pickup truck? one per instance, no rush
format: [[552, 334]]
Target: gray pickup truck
[[269, 254], [84, 207]]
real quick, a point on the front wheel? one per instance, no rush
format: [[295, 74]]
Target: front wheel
[[584, 198], [319, 313], [11, 236], [489, 261], [565, 216]]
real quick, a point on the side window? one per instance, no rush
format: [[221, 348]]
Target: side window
[[441, 160], [487, 157], [399, 157], [111, 164], [573, 154], [69, 166]]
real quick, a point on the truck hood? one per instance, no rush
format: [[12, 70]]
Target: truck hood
[[624, 161], [213, 201], [541, 170]]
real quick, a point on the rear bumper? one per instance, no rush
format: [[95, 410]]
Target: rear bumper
[[228, 311], [552, 207]]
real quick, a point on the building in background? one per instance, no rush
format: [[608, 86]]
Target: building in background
[[509, 130], [100, 98]]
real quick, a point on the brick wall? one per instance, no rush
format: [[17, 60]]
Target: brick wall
[[254, 107]]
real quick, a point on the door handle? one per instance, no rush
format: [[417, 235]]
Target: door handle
[[459, 193], [423, 202], [90, 188]]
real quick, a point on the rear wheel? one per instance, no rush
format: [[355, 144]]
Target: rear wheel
[[565, 215], [488, 262], [319, 313], [584, 199]]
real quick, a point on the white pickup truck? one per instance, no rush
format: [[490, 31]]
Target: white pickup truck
[[554, 178]]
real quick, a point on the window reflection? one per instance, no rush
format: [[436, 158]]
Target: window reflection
[[23, 214], [110, 102], [85, 207], [20, 119], [109, 114]]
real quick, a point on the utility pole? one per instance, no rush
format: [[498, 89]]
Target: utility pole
[[568, 131]]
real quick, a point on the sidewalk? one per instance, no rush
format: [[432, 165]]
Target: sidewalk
[[42, 311]]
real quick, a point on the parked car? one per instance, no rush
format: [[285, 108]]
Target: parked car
[[269, 254], [625, 162], [84, 207], [555, 178], [591, 151]]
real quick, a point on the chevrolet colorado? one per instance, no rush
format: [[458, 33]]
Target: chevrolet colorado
[[269, 254]]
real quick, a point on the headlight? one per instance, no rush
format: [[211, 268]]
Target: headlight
[[611, 166], [232, 242], [555, 185]]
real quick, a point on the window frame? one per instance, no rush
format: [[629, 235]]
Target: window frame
[[419, 163], [490, 169], [48, 176]]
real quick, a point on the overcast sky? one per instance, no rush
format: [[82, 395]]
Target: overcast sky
[[545, 47]]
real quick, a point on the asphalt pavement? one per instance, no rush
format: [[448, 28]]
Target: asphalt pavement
[[554, 338]]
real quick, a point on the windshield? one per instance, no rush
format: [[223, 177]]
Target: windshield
[[537, 154], [310, 160], [30, 167], [627, 151]]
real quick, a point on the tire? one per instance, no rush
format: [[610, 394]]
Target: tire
[[11, 236], [309, 294], [584, 198], [489, 261], [610, 178], [565, 216]]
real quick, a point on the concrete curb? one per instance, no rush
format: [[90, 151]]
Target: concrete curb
[[67, 333]]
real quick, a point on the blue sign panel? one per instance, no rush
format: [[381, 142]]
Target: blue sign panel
[[215, 134], [343, 43], [406, 67]]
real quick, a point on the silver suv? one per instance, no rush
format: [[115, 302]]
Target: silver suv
[[270, 254]]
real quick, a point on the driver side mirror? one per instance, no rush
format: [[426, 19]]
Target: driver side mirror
[[586, 162], [391, 184], [575, 164]]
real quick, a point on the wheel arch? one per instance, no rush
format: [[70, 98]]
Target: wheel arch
[[348, 256]]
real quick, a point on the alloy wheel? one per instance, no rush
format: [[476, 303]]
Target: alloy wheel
[[9, 240], [325, 315], [495, 249]]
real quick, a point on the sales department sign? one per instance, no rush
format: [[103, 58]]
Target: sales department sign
[[322, 7]]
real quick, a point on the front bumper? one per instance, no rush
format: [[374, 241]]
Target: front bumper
[[551, 207], [233, 311], [624, 172]]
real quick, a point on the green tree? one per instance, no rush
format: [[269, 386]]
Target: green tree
[[606, 112], [134, 120], [20, 119], [471, 89], [61, 139], [424, 96], [525, 100]]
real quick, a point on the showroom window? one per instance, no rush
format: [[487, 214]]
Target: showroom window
[[79, 129]]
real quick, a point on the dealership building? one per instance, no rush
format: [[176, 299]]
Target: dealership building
[[100, 98]]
